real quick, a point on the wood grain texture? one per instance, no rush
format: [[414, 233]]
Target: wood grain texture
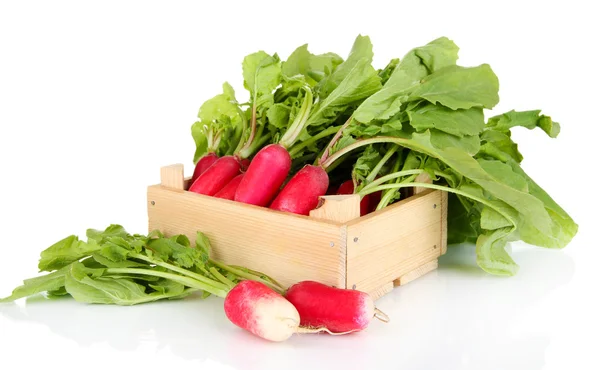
[[389, 244], [338, 208], [172, 176], [423, 178], [444, 222], [381, 291], [287, 247], [416, 273]]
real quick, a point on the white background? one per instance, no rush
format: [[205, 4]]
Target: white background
[[96, 96]]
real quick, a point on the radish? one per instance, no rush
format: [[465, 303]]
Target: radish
[[253, 306], [267, 171], [228, 191], [338, 310], [347, 187], [301, 194], [216, 176], [270, 166], [203, 164]]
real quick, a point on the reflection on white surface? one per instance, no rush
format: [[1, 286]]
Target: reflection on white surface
[[457, 317]]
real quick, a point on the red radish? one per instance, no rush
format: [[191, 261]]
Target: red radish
[[216, 176], [228, 191], [245, 164], [301, 194], [202, 165], [253, 306], [339, 310], [347, 187], [265, 175], [374, 199]]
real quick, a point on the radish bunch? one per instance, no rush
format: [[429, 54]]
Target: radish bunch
[[270, 151], [306, 307]]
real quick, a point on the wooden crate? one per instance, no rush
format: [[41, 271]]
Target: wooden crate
[[334, 245]]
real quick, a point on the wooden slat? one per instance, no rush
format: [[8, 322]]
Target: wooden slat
[[423, 178], [382, 290], [444, 222], [416, 273], [392, 243], [172, 176], [289, 248], [339, 208]]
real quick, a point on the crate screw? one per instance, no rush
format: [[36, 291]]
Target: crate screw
[[434, 206], [331, 244], [354, 287], [153, 203], [356, 239]]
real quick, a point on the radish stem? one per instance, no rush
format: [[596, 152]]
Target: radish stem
[[178, 278], [248, 276]]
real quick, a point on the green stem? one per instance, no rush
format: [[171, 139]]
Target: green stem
[[241, 142], [252, 148], [443, 188], [389, 177], [381, 162], [222, 278], [293, 131], [182, 271], [192, 283], [298, 147], [388, 194], [335, 139], [247, 276]]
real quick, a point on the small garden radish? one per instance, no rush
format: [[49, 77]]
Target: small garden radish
[[265, 175], [338, 310], [301, 194], [270, 166], [216, 176], [253, 306], [203, 164], [228, 191]]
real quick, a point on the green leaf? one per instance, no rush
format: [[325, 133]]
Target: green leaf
[[362, 50], [203, 246], [460, 87], [499, 145], [360, 82], [262, 74], [563, 227], [313, 67], [491, 255], [441, 140], [92, 286], [528, 119], [106, 262], [279, 115], [437, 54], [220, 121], [49, 282], [415, 66], [529, 206], [461, 122], [503, 172], [169, 250], [65, 251]]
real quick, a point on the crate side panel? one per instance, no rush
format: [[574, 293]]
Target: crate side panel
[[383, 248], [286, 247]]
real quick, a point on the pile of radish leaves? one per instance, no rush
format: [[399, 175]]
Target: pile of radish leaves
[[383, 128], [115, 267]]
